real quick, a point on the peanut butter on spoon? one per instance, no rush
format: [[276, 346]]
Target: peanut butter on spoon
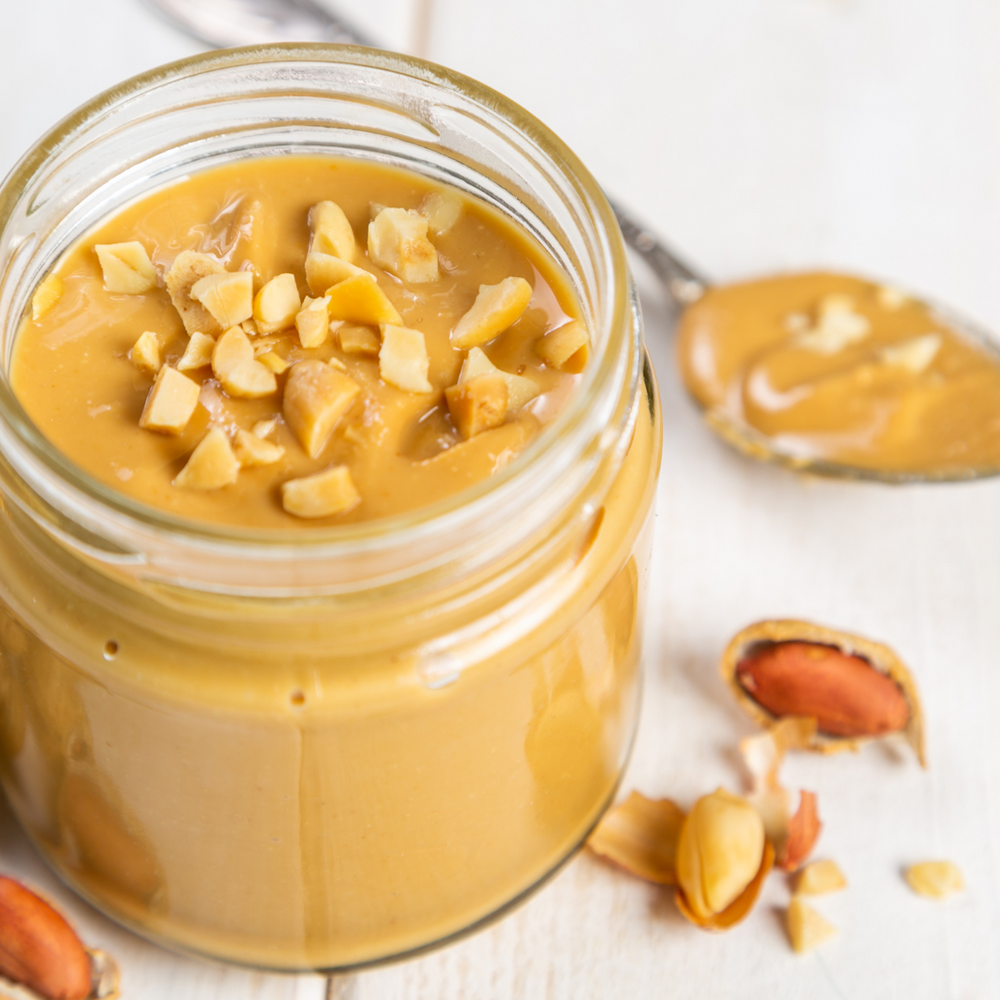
[[841, 375]]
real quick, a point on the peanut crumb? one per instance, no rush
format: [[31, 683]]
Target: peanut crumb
[[819, 878], [935, 879], [806, 928]]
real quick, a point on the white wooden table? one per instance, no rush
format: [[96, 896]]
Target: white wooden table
[[758, 135]]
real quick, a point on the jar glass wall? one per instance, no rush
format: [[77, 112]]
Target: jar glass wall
[[320, 749]]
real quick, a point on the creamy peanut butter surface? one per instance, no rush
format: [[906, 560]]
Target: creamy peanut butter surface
[[298, 341], [836, 368]]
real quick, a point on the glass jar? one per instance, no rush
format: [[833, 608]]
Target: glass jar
[[316, 749]]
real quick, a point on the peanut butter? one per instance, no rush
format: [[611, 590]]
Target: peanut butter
[[316, 780], [835, 368], [330, 300]]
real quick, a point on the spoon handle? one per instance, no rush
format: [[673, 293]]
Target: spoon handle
[[683, 284], [254, 22], [227, 23]]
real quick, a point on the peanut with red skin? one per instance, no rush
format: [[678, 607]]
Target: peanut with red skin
[[38, 948], [844, 693]]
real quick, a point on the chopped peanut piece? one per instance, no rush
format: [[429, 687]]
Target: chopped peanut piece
[[264, 428], [126, 267], [188, 268], [496, 308], [442, 210], [313, 322], [478, 404], [316, 397], [198, 352], [566, 347], [358, 340], [338, 364], [359, 299], [250, 328], [212, 464], [47, 294], [276, 304], [397, 241], [227, 296], [326, 493], [806, 928], [331, 232], [252, 450], [323, 271], [145, 353], [403, 360], [820, 877], [234, 366], [170, 402], [274, 361], [520, 390], [935, 879]]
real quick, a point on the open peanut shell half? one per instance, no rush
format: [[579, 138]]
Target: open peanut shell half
[[856, 690], [739, 907]]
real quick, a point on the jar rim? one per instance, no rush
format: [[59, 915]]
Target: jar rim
[[70, 482]]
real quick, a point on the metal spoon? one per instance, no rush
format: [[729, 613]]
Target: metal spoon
[[228, 23]]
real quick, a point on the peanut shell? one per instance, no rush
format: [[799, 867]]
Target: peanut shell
[[876, 655]]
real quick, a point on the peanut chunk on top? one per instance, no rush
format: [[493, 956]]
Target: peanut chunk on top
[[316, 397], [565, 347], [402, 359], [254, 450], [188, 268], [312, 322], [227, 296], [496, 308], [170, 402], [326, 493], [276, 304], [145, 353], [358, 339], [324, 270], [234, 366], [212, 464], [47, 294], [442, 210], [397, 241], [198, 352], [331, 232], [477, 404], [520, 388], [359, 299], [126, 267]]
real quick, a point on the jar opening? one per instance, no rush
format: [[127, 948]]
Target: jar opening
[[220, 107]]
